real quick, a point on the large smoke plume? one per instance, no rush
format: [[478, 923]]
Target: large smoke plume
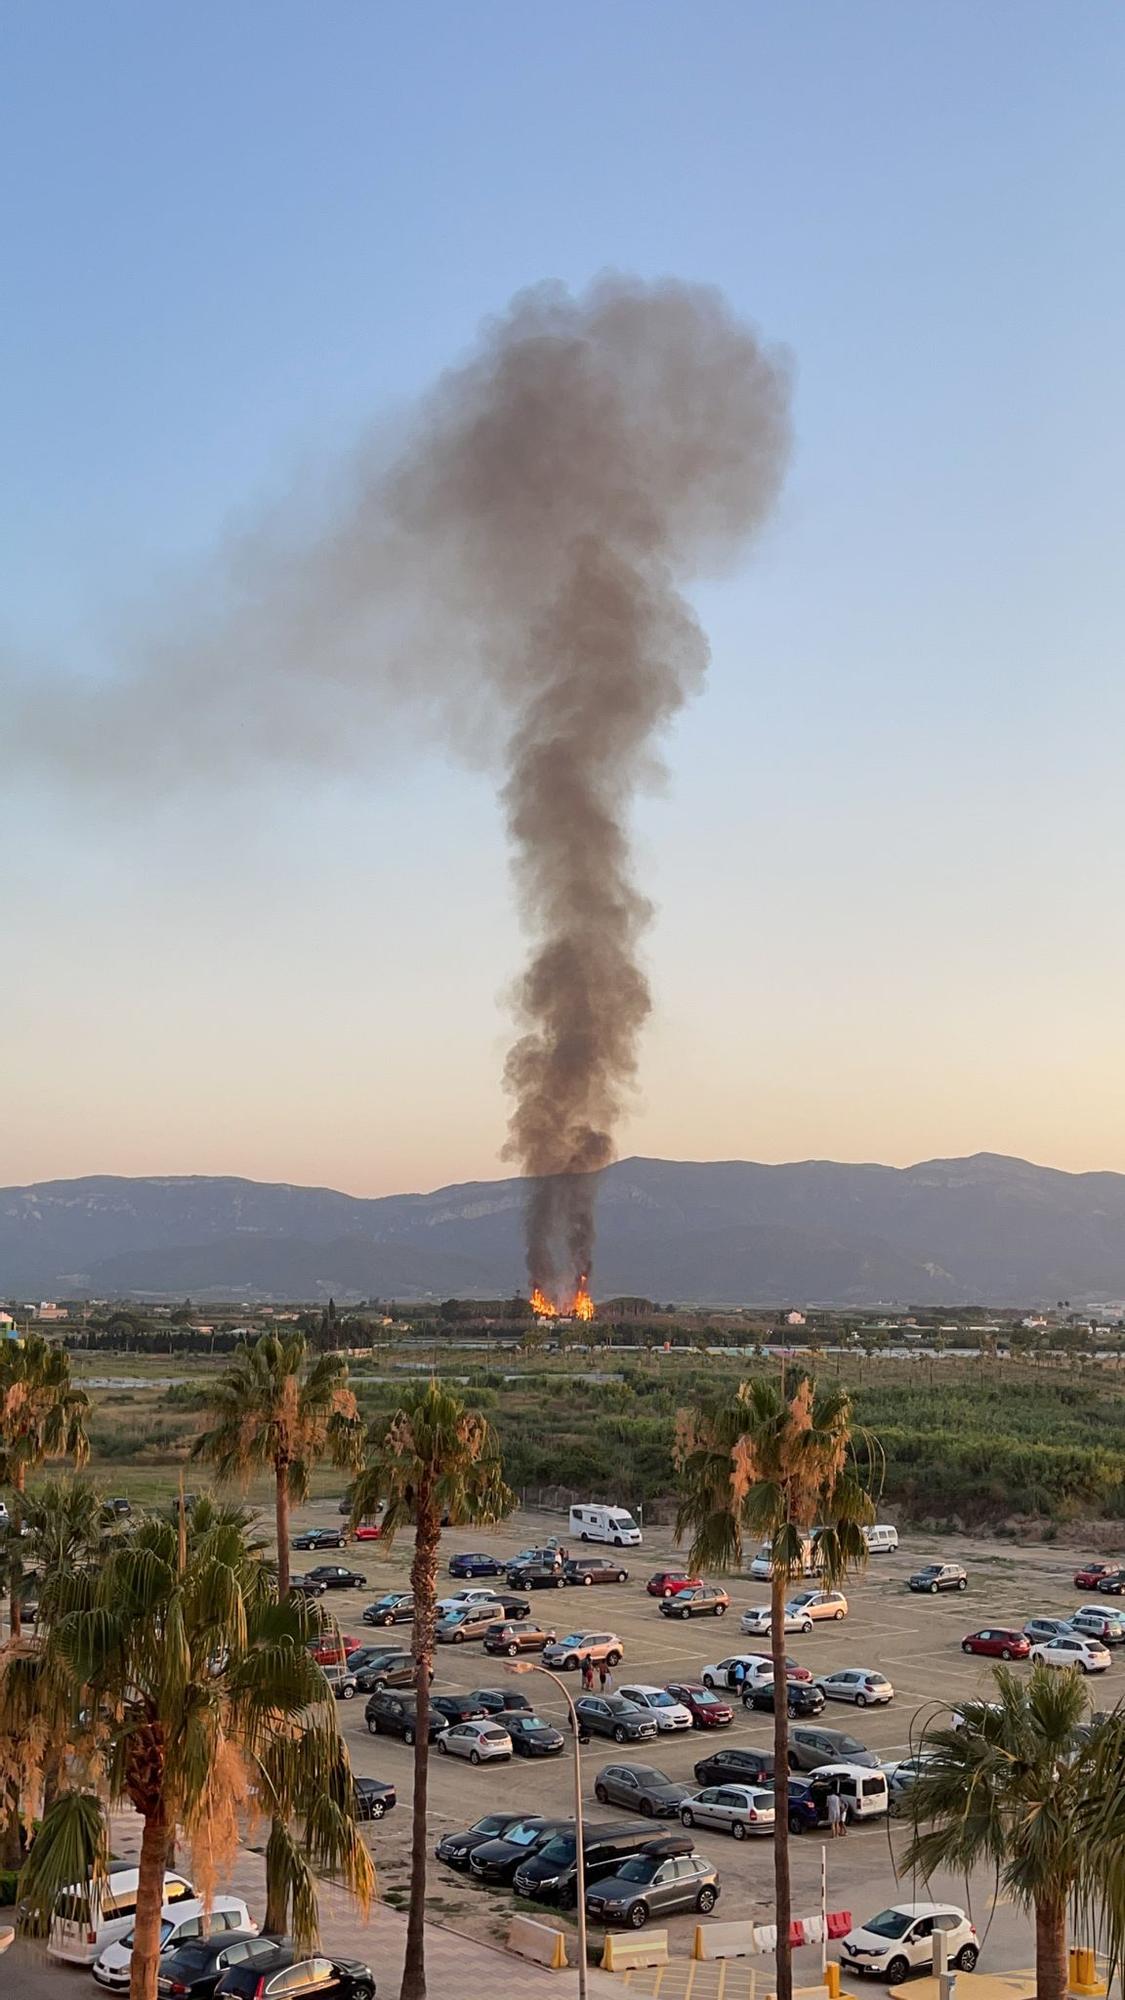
[[514, 570]]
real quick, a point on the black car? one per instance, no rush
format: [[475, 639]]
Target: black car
[[119, 1506], [550, 1875], [640, 1788], [335, 1577], [194, 1969], [537, 1576], [395, 1607], [803, 1698], [501, 1701], [511, 1603], [390, 1714], [306, 1586], [455, 1848], [497, 1860], [532, 1737], [594, 1569], [457, 1707], [735, 1767], [373, 1799], [612, 1715], [319, 1538], [280, 1975]]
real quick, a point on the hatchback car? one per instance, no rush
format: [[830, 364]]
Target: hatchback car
[[194, 1969], [901, 1939], [1089, 1576], [811, 1748], [458, 1707], [1088, 1655], [655, 1883], [808, 1805], [1112, 1584], [288, 1976], [611, 1715], [863, 1685], [510, 1636], [725, 1674], [180, 1923], [390, 1714], [741, 1810], [595, 1569], [368, 1531], [481, 1742], [938, 1576], [578, 1646], [537, 1575], [336, 1576], [341, 1680], [705, 1600], [455, 1848], [373, 1798], [819, 1603], [800, 1697], [667, 1713], [667, 1582], [640, 1788], [758, 1621], [473, 1593], [997, 1642], [319, 1538], [1038, 1629], [395, 1607], [737, 1767], [500, 1701], [532, 1737], [706, 1708], [332, 1648], [1100, 1621], [476, 1565]]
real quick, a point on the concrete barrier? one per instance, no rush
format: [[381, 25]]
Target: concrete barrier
[[719, 1940], [540, 1942], [634, 1953]]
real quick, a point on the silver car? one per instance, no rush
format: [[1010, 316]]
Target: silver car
[[863, 1685], [741, 1810], [480, 1742]]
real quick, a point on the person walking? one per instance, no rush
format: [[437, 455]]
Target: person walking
[[587, 1675], [605, 1678], [836, 1824]]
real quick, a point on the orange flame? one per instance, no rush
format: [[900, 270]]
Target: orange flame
[[580, 1307], [583, 1307], [542, 1307]]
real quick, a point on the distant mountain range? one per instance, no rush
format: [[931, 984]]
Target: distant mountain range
[[986, 1229]]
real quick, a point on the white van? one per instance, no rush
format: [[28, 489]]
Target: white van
[[761, 1569], [85, 1920], [604, 1524], [863, 1790], [880, 1540], [179, 1922]]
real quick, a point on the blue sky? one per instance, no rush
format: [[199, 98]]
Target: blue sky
[[888, 859]]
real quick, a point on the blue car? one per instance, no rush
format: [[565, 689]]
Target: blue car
[[475, 1565], [807, 1809]]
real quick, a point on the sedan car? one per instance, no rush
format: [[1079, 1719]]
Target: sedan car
[[1088, 1655], [319, 1538], [705, 1600], [373, 1798], [1091, 1574], [810, 1748], [901, 1939], [299, 1586], [819, 1603], [290, 1975], [194, 1969], [801, 1698], [939, 1576], [481, 1742], [737, 1767], [457, 1707], [1100, 1621], [334, 1576], [863, 1685], [510, 1636], [395, 1607], [497, 1860], [997, 1642], [758, 1621], [578, 1646], [740, 1810], [612, 1715], [667, 1582], [665, 1710], [656, 1883], [388, 1714], [706, 1709], [532, 1737], [455, 1848], [476, 1565], [724, 1674], [640, 1788]]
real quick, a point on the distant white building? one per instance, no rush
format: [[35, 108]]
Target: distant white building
[[795, 1318], [47, 1309]]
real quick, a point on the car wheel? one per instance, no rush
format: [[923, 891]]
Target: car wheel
[[966, 1648], [587, 1580], [363, 1991], [619, 1735], [613, 1659], [1084, 1666], [705, 1901], [719, 1610], [583, 1537], [861, 1701], [933, 1593], [896, 1971], [348, 1693], [458, 1638], [807, 1626], [966, 1958], [601, 1795], [441, 1746], [961, 1584], [708, 1680], [796, 1825], [638, 1916], [738, 1830], [667, 1593], [791, 1760], [622, 1576], [512, 1651], [572, 1662], [372, 1726], [685, 1613], [408, 1736], [837, 1614], [687, 1817], [1006, 1653], [560, 1582], [474, 1756], [617, 1541], [388, 1618], [376, 1809]]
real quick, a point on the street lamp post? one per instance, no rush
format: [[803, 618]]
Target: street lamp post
[[532, 1667]]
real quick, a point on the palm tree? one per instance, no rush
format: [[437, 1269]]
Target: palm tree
[[279, 1411], [436, 1462], [193, 1697], [770, 1464], [1012, 1786], [42, 1415]]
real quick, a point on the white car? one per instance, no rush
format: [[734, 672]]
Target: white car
[[461, 1598], [480, 1742], [901, 1939], [739, 1809], [1088, 1655], [665, 1710], [863, 1685], [179, 1922], [758, 1621], [759, 1673]]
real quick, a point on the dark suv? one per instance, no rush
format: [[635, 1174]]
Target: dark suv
[[656, 1883], [537, 1576], [612, 1715], [390, 1714], [551, 1874], [395, 1607], [383, 1667], [594, 1569], [735, 1767]]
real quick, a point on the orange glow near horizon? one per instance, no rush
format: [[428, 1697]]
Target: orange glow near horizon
[[580, 1307]]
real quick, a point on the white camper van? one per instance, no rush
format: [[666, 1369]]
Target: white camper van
[[598, 1523], [881, 1539]]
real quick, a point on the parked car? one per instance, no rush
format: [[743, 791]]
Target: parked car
[[119, 1506], [656, 1883], [1100, 1621], [537, 1575], [723, 1673], [1037, 1629], [469, 1621], [476, 1565], [457, 1707], [665, 1710], [1112, 1584], [497, 1860], [388, 1714], [1091, 1574], [900, 1940], [612, 1715], [481, 1742], [319, 1538], [939, 1576], [332, 1648], [455, 1848], [500, 1701], [510, 1604], [517, 1635], [1088, 1655], [335, 1576], [395, 1607], [473, 1593], [997, 1642], [578, 1646], [551, 1875], [759, 1674], [382, 1667], [289, 1975], [193, 1970], [812, 1748], [865, 1792], [808, 1805], [738, 1767], [706, 1600], [180, 1923], [374, 1799], [666, 1582], [706, 1709], [640, 1788], [759, 1621], [368, 1531], [801, 1698], [304, 1586], [594, 1569], [863, 1685], [341, 1680], [819, 1604], [740, 1810], [532, 1737]]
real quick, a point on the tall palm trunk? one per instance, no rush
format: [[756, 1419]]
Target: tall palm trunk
[[423, 1577], [281, 1515], [277, 1872], [1052, 1973], [19, 1483], [144, 1967], [782, 1888]]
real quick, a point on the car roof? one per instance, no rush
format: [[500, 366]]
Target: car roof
[[922, 1910]]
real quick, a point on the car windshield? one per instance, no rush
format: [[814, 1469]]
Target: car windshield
[[889, 1923], [661, 1700], [560, 1849], [523, 1836], [573, 1639], [166, 1929], [622, 1521], [703, 1698], [638, 1868], [491, 1823]]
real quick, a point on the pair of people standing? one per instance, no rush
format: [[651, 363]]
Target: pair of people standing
[[605, 1678]]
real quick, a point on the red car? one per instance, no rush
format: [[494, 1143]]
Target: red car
[[706, 1709], [670, 1582], [332, 1651], [1091, 1574], [368, 1531], [998, 1642]]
